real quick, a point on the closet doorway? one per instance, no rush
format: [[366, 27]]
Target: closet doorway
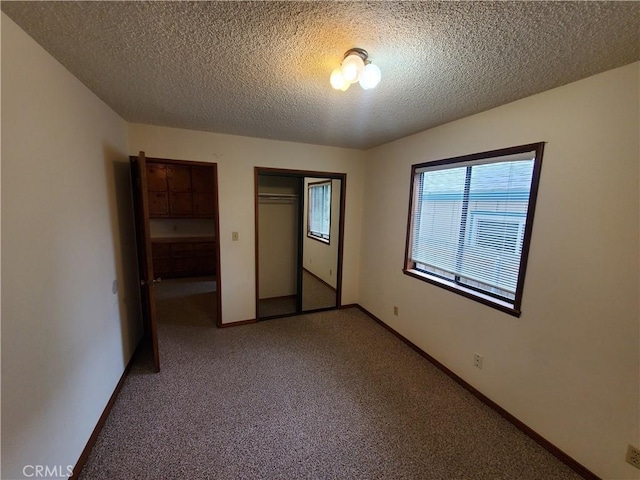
[[177, 229], [299, 240]]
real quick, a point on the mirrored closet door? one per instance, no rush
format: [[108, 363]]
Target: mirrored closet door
[[298, 241]]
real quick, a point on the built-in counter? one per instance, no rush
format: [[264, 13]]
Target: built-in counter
[[183, 256]]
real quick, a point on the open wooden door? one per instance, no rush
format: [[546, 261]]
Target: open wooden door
[[145, 260]]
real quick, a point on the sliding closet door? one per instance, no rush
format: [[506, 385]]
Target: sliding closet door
[[299, 240], [320, 243]]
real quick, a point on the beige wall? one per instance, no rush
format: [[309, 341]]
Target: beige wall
[[568, 368], [318, 257], [236, 158], [67, 232], [278, 238]]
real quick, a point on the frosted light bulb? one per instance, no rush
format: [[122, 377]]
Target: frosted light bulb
[[337, 80], [370, 77], [352, 68]]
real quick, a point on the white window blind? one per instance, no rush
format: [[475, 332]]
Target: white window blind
[[319, 221], [469, 220]]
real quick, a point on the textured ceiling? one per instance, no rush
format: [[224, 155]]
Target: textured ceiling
[[262, 69]]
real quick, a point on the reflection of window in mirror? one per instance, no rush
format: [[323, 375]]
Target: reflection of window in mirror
[[319, 213]]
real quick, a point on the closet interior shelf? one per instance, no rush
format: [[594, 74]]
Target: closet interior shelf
[[279, 197]]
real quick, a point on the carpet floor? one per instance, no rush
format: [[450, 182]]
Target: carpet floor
[[329, 395]]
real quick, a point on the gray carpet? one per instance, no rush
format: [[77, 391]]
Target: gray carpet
[[328, 395]]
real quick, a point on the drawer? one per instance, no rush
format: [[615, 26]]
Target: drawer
[[160, 250], [182, 249], [207, 265], [161, 266], [205, 248], [183, 265]]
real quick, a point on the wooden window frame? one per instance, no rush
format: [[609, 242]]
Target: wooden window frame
[[510, 307], [326, 241]]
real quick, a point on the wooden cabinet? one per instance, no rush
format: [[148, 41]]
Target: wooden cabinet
[[205, 253], [202, 183], [179, 186], [161, 254], [180, 191], [183, 257], [157, 190]]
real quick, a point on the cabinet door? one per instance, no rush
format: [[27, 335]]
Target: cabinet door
[[158, 204], [180, 198], [162, 267], [202, 179], [203, 205], [206, 256], [183, 260], [157, 190], [202, 182], [180, 204], [179, 178], [161, 253], [156, 177]]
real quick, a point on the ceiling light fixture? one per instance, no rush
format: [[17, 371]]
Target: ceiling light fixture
[[355, 67]]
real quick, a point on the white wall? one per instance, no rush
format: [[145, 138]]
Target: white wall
[[569, 367], [67, 233], [320, 258], [236, 158]]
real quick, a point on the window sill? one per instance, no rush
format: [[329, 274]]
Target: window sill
[[318, 239], [466, 292]]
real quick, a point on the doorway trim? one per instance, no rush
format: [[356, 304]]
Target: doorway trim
[[283, 172], [216, 219]]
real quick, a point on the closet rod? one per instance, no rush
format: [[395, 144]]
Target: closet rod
[[278, 195]]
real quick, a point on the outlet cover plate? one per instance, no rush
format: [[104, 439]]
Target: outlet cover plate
[[477, 360], [633, 456]]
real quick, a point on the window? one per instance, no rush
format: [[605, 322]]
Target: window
[[319, 213], [470, 223]]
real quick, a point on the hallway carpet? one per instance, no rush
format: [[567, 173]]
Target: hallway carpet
[[329, 395]]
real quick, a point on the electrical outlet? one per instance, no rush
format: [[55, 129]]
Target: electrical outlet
[[477, 360], [395, 310], [330, 272], [234, 236], [633, 456]]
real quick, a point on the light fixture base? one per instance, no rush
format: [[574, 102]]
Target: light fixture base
[[361, 52]]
